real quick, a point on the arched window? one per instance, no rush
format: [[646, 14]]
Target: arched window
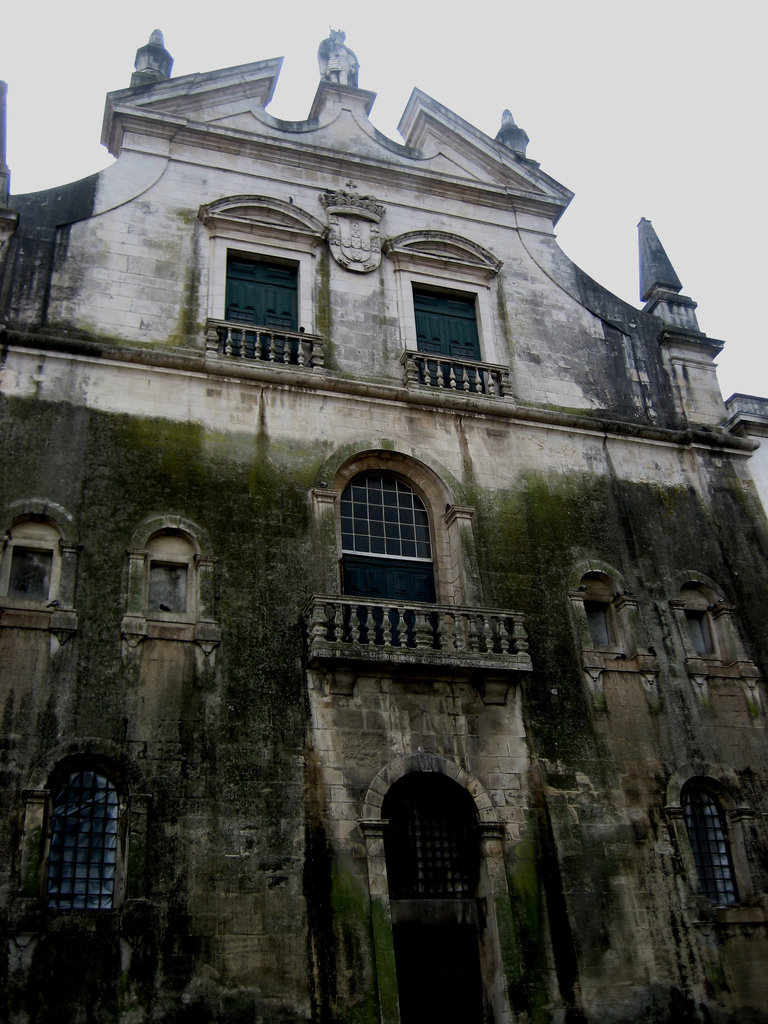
[[432, 857], [385, 539], [598, 591], [32, 566], [84, 857], [170, 559], [707, 829]]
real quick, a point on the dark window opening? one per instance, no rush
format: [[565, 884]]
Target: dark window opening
[[446, 324], [700, 631], [82, 863], [262, 293], [167, 588], [597, 618], [30, 573], [385, 540], [708, 836]]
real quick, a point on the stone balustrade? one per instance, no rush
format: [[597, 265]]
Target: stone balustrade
[[265, 344], [449, 374], [452, 640]]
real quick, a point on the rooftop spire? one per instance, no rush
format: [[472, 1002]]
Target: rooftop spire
[[153, 62], [660, 286], [655, 269], [511, 136]]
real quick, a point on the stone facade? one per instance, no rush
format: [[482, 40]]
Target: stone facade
[[267, 761]]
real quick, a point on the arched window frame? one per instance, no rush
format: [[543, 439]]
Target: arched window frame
[[35, 842], [43, 526], [144, 618], [701, 609], [456, 576], [600, 585], [739, 824]]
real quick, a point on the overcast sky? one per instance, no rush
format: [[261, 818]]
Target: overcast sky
[[652, 109]]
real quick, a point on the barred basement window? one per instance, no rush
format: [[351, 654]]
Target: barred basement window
[[708, 836], [83, 858]]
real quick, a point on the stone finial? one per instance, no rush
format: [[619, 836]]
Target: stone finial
[[337, 62], [511, 136], [656, 271], [660, 286], [153, 62]]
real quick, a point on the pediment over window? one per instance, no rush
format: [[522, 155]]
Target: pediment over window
[[442, 251], [262, 217]]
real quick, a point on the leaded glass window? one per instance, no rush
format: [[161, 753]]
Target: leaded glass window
[[381, 515], [82, 863], [707, 834]]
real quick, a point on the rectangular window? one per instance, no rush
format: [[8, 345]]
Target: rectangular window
[[30, 573], [167, 588], [262, 293], [446, 323], [701, 634], [597, 618]]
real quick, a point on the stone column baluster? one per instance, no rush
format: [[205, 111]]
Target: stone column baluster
[[422, 630], [452, 376], [318, 622], [474, 635], [388, 626]]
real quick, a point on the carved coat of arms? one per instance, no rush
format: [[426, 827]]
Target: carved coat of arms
[[353, 230]]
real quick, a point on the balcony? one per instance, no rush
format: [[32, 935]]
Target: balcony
[[251, 343], [487, 646], [459, 375]]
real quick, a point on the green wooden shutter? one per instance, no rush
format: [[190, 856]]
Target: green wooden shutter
[[262, 293], [446, 324]]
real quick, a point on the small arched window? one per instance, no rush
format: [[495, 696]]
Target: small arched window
[[170, 557], [32, 563], [598, 592], [707, 829], [385, 539], [84, 860]]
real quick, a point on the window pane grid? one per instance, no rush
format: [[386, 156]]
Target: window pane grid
[[709, 845], [84, 840], [382, 516]]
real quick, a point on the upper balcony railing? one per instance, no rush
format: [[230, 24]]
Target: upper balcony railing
[[449, 374], [252, 343], [444, 638]]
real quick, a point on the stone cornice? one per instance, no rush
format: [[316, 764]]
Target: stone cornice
[[192, 362], [295, 151]]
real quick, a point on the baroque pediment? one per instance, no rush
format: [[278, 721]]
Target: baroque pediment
[[261, 215], [422, 249]]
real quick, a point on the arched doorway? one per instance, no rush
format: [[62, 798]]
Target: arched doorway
[[433, 859]]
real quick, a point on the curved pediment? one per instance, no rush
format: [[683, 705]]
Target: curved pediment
[[441, 249], [253, 216]]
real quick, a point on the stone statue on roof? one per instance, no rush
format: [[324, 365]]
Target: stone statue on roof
[[337, 62]]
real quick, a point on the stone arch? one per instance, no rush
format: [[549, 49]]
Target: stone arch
[[407, 764], [155, 524], [446, 519]]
